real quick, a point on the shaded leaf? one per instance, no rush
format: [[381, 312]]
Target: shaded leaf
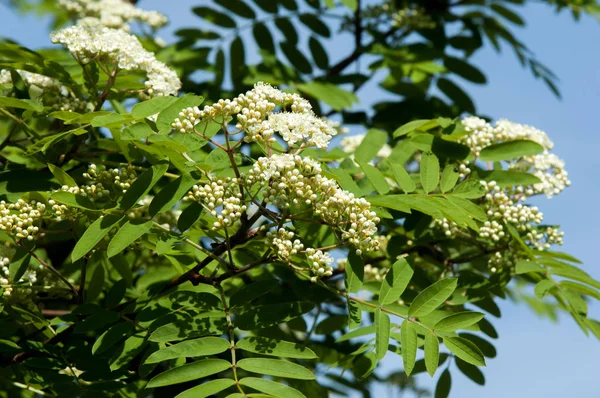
[[192, 371], [275, 348], [275, 367], [432, 297]]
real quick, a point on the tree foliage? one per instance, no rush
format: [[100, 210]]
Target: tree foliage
[[215, 242]]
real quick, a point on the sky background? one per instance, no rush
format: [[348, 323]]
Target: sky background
[[535, 357]]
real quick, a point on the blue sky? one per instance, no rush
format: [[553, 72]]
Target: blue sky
[[535, 357]]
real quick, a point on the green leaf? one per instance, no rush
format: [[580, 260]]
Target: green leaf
[[296, 58], [207, 389], [108, 120], [354, 315], [318, 53], [215, 17], [314, 23], [354, 272], [167, 115], [469, 189], [472, 372], [143, 184], [111, 337], [351, 4], [203, 326], [251, 292], [61, 176], [131, 231], [382, 334], [94, 234], [458, 96], [171, 194], [507, 13], [474, 211], [286, 27], [464, 70], [191, 348], [401, 176], [396, 202], [370, 145], [337, 98], [189, 216], [410, 127], [151, 107], [237, 60], [408, 341], [458, 321], [237, 7], [263, 37], [267, 5], [137, 131], [430, 171], [272, 314], [510, 150], [432, 297], [70, 199], [465, 350], [375, 177], [346, 181], [542, 287], [128, 351], [395, 282], [578, 287], [96, 284], [449, 178], [28, 104], [19, 263], [508, 178], [275, 367], [442, 388], [524, 267], [271, 387], [275, 348], [191, 371], [432, 353]]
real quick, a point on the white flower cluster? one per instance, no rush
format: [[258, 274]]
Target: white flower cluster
[[374, 274], [305, 128], [544, 238], [187, 120], [281, 240], [113, 13], [90, 39], [167, 219], [492, 230], [222, 198], [449, 227], [102, 181], [255, 112], [42, 82], [412, 18], [320, 263], [21, 219], [546, 166], [293, 180], [500, 206], [58, 96], [505, 258], [62, 211], [351, 143]]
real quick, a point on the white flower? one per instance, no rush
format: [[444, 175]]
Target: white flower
[[305, 128], [113, 13], [90, 39], [351, 143]]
